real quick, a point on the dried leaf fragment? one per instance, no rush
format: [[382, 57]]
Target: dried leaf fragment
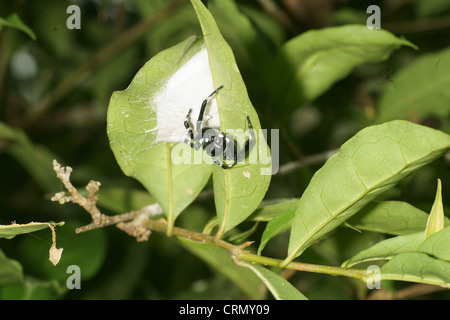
[[10, 231], [55, 254]]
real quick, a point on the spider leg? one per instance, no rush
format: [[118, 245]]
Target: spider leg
[[222, 164], [205, 103], [248, 145], [251, 136], [216, 161], [187, 125], [226, 153], [231, 147], [199, 125], [228, 166]]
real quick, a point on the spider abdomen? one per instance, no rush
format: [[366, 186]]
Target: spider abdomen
[[213, 141], [220, 146]]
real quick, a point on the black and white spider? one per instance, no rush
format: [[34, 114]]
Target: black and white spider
[[215, 143]]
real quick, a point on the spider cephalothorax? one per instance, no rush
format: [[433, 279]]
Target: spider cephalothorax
[[214, 142]]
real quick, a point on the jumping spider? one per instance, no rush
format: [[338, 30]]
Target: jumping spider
[[214, 142]]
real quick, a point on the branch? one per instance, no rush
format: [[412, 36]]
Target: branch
[[99, 219], [89, 203], [141, 227], [238, 252]]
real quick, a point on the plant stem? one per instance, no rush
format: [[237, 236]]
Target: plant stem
[[170, 213], [308, 267], [238, 252], [141, 218]]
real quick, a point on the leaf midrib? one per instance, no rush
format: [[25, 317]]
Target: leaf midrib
[[226, 208], [170, 213]]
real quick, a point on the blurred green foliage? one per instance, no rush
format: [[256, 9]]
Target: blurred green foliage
[[45, 116]]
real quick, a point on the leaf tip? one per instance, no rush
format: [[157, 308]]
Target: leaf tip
[[435, 222]]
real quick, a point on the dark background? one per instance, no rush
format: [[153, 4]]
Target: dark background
[[55, 90]]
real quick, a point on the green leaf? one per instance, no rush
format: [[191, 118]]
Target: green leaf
[[279, 214], [417, 267], [237, 191], [10, 231], [14, 229], [143, 131], [10, 270], [437, 245], [241, 34], [174, 28], [13, 21], [391, 217], [36, 159], [146, 127], [240, 237], [418, 90], [277, 285], [276, 226], [435, 221], [33, 289], [309, 64], [269, 209], [219, 259], [386, 249], [86, 250], [371, 162]]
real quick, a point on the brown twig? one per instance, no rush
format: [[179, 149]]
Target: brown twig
[[89, 203], [99, 219]]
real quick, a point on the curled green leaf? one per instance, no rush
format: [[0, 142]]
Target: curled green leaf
[[237, 191], [146, 126], [435, 221]]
